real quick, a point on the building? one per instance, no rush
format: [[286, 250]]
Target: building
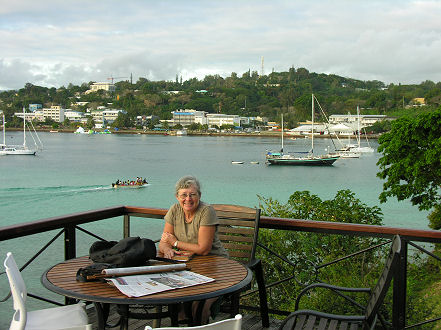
[[186, 117], [106, 86], [103, 114], [75, 116], [146, 120], [351, 120], [35, 107], [219, 119], [55, 112]]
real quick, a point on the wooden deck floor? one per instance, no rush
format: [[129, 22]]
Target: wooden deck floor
[[250, 321]]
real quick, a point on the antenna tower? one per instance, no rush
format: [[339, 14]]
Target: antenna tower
[[262, 72]]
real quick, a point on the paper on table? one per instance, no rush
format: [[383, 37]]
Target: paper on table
[[142, 285], [143, 269]]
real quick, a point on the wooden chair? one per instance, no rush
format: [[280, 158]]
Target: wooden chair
[[230, 324], [310, 319], [238, 230], [69, 317]]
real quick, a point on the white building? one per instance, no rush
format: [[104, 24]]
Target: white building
[[219, 119], [109, 115], [365, 120], [106, 86], [55, 112], [75, 116]]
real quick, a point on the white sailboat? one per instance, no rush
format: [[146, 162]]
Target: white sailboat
[[20, 149], [359, 148]]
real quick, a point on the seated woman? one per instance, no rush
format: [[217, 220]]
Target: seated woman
[[191, 225]]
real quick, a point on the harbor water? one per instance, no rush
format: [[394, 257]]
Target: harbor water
[[74, 173]]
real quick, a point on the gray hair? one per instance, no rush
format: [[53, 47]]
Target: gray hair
[[186, 182]]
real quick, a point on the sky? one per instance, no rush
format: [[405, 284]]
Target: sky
[[53, 43]]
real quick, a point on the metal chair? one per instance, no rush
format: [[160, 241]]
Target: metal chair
[[70, 317], [229, 324], [238, 231], [311, 319]]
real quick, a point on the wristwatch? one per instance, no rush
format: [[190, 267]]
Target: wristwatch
[[175, 244]]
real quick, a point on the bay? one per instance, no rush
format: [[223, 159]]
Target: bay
[[74, 173]]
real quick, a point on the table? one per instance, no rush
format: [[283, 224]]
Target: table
[[230, 276]]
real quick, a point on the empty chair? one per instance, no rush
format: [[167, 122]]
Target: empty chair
[[70, 317], [229, 324], [311, 319]]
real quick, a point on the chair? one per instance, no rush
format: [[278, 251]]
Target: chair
[[70, 317], [310, 319], [238, 231], [229, 324]]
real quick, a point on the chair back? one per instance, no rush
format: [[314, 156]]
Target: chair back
[[18, 291], [238, 230], [380, 289], [229, 324]]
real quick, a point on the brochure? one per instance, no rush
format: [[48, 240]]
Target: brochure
[[142, 285]]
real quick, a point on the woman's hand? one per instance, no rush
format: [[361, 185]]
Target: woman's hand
[[168, 238], [169, 253]]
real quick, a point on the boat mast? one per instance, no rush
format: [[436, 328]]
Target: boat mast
[[312, 126], [24, 128], [358, 126], [282, 134], [4, 132]]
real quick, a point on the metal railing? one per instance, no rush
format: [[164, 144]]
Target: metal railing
[[70, 224]]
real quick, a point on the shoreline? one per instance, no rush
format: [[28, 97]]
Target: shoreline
[[273, 134]]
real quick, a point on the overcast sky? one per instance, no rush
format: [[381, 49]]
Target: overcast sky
[[53, 43]]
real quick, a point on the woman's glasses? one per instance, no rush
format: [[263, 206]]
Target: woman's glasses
[[185, 195]]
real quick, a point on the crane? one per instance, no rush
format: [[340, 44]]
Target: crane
[[112, 78]]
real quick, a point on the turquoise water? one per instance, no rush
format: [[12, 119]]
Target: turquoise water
[[74, 174]]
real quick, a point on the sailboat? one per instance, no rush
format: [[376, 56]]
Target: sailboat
[[18, 149], [280, 158], [359, 148]]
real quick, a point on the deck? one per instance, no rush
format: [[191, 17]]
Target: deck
[[249, 321]]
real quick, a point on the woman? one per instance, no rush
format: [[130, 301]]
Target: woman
[[191, 225]]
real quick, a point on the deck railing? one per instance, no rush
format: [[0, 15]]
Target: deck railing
[[69, 225]]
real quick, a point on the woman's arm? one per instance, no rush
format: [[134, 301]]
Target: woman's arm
[[164, 245], [205, 241]]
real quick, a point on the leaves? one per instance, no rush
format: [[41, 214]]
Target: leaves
[[411, 161]]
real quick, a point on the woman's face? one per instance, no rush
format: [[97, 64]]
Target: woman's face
[[188, 198]]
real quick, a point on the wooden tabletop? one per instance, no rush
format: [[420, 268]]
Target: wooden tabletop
[[230, 276]]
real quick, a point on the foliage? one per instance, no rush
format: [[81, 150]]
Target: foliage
[[411, 162], [306, 251], [248, 94]]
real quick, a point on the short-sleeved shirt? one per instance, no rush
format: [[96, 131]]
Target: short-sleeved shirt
[[205, 215]]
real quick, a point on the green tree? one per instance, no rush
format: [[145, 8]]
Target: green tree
[[411, 162], [306, 250]]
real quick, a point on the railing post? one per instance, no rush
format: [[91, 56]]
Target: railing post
[[399, 290], [69, 243], [126, 228]]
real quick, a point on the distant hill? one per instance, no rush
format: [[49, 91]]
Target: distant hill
[[248, 94]]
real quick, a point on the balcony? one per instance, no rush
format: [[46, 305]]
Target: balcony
[[69, 236]]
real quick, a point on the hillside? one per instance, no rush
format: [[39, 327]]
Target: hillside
[[246, 95]]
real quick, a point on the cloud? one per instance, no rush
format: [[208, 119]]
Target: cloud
[[56, 42]]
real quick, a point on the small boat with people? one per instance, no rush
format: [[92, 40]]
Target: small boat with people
[[138, 183]]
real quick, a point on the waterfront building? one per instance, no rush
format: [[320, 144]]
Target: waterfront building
[[75, 116], [365, 120], [55, 112], [104, 114], [219, 119]]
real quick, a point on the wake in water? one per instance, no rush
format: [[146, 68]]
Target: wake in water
[[32, 194]]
